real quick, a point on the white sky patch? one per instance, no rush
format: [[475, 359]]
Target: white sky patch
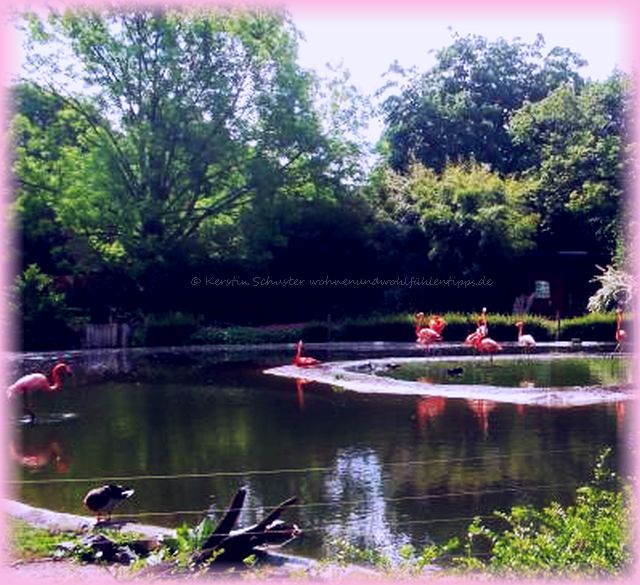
[[367, 45]]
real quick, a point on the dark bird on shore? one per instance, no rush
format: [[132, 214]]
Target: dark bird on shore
[[454, 372], [101, 501]]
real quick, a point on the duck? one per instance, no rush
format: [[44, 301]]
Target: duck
[[103, 500]]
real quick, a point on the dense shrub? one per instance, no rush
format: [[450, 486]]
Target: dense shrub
[[589, 538], [591, 327], [168, 329], [46, 320]]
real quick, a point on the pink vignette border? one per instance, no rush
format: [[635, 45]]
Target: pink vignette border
[[628, 11]]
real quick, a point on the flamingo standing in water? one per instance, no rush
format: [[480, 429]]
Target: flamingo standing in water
[[482, 330], [437, 323], [621, 334], [425, 335], [525, 341], [30, 383], [301, 361], [487, 345]]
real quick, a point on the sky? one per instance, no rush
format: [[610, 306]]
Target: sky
[[367, 44]]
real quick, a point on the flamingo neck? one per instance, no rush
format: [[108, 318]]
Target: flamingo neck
[[520, 330], [57, 380], [299, 352]]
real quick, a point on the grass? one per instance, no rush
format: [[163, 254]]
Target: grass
[[29, 542]]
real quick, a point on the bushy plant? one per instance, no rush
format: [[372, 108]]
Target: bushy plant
[[589, 538], [43, 310], [616, 289], [168, 329], [592, 327]]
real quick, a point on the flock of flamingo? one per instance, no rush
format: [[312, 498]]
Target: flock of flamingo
[[430, 332]]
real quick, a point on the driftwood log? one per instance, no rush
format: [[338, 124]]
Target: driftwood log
[[231, 546]]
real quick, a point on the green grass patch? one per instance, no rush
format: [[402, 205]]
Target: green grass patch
[[30, 542]]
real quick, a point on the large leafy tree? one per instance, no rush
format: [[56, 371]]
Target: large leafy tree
[[197, 114], [460, 108], [50, 139], [575, 145]]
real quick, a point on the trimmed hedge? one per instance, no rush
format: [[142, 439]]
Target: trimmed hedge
[[181, 329]]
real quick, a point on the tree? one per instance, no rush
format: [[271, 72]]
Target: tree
[[196, 115], [50, 139], [574, 145], [473, 219], [459, 109]]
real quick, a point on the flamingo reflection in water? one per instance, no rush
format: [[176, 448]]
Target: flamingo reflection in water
[[41, 458], [481, 409], [429, 408], [300, 384]]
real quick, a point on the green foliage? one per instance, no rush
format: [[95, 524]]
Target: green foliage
[[173, 328], [43, 310], [589, 538], [187, 541], [594, 326], [575, 143], [459, 109], [29, 542], [200, 113], [400, 328], [473, 219], [344, 552]]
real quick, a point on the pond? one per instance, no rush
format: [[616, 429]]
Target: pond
[[524, 372], [186, 428]]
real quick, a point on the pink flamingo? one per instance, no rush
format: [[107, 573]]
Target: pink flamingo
[[482, 330], [621, 334], [487, 345], [425, 335], [303, 362], [30, 383], [437, 323], [525, 341]]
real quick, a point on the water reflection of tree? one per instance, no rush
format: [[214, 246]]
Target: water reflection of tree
[[359, 477]]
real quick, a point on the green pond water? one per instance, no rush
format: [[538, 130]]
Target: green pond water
[[185, 431], [539, 373]]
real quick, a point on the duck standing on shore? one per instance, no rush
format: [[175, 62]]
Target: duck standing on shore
[[104, 499]]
